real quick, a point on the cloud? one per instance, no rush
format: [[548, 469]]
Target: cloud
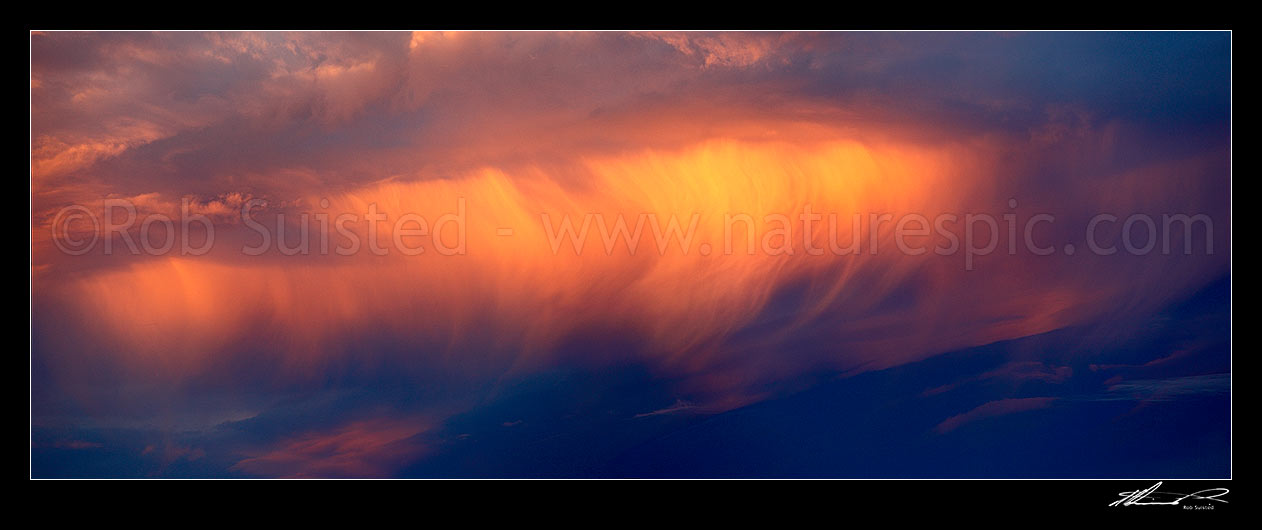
[[679, 406], [1015, 373], [992, 409], [517, 125], [77, 444], [1169, 389], [369, 449]]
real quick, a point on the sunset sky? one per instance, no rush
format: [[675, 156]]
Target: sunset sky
[[502, 319]]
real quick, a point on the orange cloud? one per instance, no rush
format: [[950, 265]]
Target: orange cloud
[[180, 315]]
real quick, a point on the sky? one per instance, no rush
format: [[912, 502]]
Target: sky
[[630, 254]]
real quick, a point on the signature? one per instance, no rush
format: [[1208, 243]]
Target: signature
[[1152, 497]]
